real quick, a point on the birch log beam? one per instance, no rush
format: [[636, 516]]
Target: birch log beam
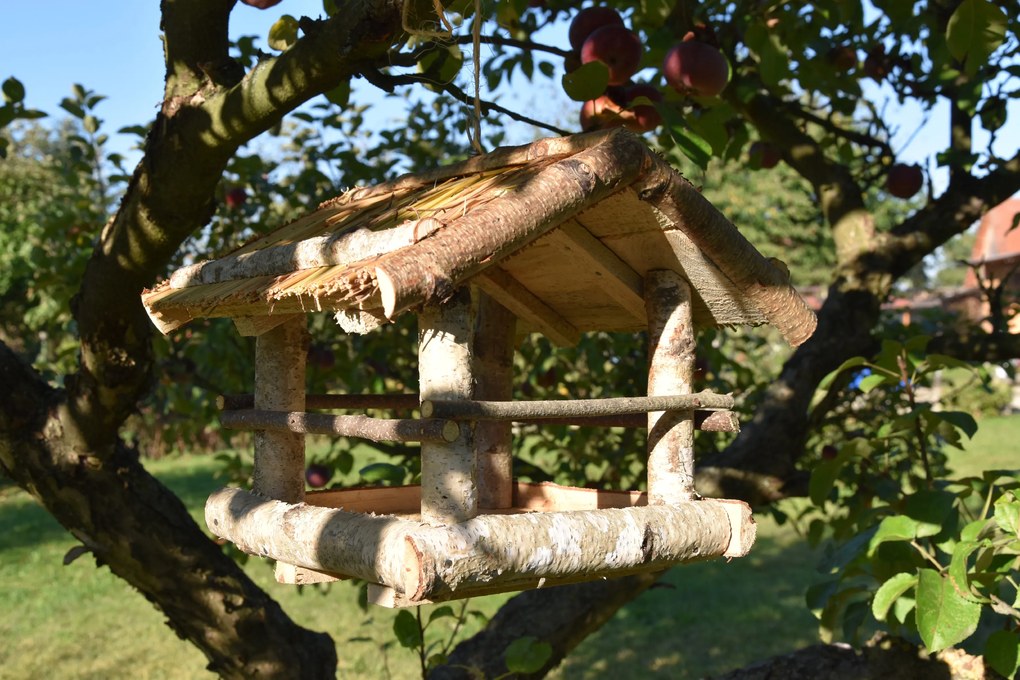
[[489, 553], [449, 470], [280, 356], [671, 349]]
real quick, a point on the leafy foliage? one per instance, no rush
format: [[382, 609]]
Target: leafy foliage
[[910, 547]]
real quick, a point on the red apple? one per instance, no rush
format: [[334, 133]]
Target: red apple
[[601, 113], [643, 117], [876, 64], [616, 47], [261, 4], [590, 19], [236, 197], [829, 452], [696, 67], [903, 181], [318, 475], [763, 155], [843, 57]]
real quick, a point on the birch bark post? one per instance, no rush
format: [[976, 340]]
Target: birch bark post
[[446, 353], [670, 371], [280, 357]]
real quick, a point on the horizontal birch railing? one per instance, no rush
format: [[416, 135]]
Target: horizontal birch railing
[[710, 414], [364, 427], [571, 408]]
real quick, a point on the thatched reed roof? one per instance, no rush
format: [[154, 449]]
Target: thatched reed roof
[[561, 232]]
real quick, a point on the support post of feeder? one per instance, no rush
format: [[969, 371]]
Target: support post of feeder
[[494, 357], [449, 470], [280, 356], [671, 354]]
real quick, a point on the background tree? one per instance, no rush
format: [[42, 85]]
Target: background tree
[[810, 80]]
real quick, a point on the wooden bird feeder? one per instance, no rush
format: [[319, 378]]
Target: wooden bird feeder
[[563, 236]]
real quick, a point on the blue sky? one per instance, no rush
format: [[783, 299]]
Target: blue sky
[[113, 47]]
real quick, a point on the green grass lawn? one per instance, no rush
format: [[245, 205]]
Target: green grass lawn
[[79, 621]]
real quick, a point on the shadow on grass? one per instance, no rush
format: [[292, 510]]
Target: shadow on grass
[[708, 617]]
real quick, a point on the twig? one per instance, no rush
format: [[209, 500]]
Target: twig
[[388, 82]]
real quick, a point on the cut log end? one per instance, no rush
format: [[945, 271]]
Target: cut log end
[[743, 528]]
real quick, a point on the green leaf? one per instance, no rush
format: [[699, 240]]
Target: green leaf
[[773, 57], [872, 381], [437, 659], [72, 107], [339, 95], [958, 568], [382, 472], [993, 113], [902, 608], [894, 528], [823, 476], [690, 143], [975, 30], [527, 655], [283, 33], [91, 124], [962, 421], [443, 64], [1007, 514], [1002, 652], [406, 629], [897, 10], [972, 531], [587, 82], [889, 592], [440, 613], [943, 361], [546, 68], [852, 362], [930, 510], [944, 618], [14, 91]]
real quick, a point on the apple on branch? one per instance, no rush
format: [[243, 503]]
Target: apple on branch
[[261, 4], [763, 155], [589, 20], [618, 48], [695, 67], [318, 475], [236, 198], [903, 181], [642, 117]]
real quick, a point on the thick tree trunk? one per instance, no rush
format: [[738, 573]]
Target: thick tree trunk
[[142, 531]]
